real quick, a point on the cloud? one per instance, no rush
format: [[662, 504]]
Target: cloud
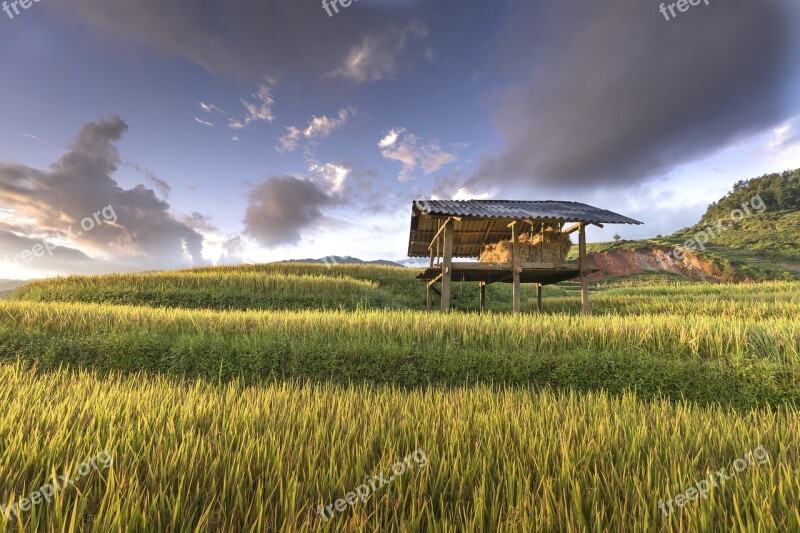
[[163, 187], [54, 204], [246, 39], [203, 122], [786, 135], [611, 93], [317, 128], [260, 110], [330, 175], [406, 148], [465, 194], [211, 108], [375, 57], [30, 136], [281, 208]]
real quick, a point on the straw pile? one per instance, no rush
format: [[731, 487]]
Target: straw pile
[[548, 247]]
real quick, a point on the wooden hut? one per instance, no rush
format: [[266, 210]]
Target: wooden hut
[[444, 230]]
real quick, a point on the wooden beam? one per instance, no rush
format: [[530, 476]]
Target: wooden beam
[[488, 232], [539, 297], [515, 268], [447, 261], [424, 234], [573, 228], [483, 296], [441, 229], [584, 270], [435, 279], [524, 265], [429, 298]]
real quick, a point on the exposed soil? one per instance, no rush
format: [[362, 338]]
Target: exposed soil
[[627, 262]]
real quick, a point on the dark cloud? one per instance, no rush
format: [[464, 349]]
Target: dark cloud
[[77, 201], [250, 38], [281, 208], [612, 93], [162, 186]]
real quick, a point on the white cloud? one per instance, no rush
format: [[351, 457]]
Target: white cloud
[[331, 174], [391, 137], [465, 194], [203, 122], [317, 128], [375, 57], [210, 108], [406, 148], [786, 134], [259, 110]]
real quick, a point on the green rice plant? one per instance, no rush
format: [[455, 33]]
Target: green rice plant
[[706, 359], [215, 289], [200, 456]]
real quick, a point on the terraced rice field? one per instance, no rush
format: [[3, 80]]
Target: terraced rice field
[[230, 415]]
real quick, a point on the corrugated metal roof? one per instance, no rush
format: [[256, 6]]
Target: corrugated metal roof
[[513, 209], [479, 226]]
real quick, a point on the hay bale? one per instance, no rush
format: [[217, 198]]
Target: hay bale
[[547, 247]]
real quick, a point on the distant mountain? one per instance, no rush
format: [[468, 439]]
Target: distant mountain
[[346, 260], [10, 284]]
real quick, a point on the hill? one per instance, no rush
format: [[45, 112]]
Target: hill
[[346, 260], [752, 233]]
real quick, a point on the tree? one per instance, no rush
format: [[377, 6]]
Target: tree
[[617, 237]]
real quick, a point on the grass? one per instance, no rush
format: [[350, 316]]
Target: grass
[[742, 361], [198, 456], [244, 413]]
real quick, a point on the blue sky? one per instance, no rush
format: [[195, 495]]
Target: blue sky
[[267, 130]]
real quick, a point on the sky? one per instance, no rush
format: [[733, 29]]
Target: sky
[[146, 135]]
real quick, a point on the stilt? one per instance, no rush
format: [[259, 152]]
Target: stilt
[[483, 296], [539, 297], [447, 261], [584, 269], [515, 266]]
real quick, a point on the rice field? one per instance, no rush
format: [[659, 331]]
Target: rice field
[[247, 418]]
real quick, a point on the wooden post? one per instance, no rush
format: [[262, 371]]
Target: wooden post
[[584, 269], [447, 261], [515, 266], [539, 297], [483, 296], [429, 304]]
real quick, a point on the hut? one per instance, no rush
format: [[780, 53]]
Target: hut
[[514, 241]]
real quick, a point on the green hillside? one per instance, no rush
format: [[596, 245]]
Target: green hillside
[[752, 233]]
